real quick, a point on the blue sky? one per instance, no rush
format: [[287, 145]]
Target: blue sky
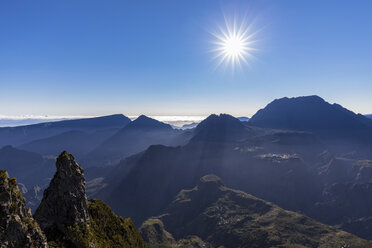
[[76, 57]]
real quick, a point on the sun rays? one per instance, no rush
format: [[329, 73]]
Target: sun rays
[[234, 44]]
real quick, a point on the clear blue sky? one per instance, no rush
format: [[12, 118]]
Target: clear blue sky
[[76, 57]]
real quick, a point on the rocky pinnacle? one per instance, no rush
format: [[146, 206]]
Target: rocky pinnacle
[[64, 203]]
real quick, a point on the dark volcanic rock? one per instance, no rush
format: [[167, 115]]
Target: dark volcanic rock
[[17, 227], [64, 202]]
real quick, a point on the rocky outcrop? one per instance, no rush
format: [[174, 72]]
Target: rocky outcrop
[[17, 227], [65, 202], [70, 220]]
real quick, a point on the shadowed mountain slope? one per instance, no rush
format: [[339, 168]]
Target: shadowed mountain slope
[[133, 138], [28, 167], [271, 166], [78, 142], [230, 218]]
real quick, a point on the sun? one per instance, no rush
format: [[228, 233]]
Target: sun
[[234, 44]]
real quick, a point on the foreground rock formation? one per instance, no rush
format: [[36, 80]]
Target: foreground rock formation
[[70, 220], [220, 216], [17, 227], [64, 202]]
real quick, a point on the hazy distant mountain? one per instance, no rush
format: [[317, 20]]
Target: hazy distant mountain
[[133, 138], [243, 119], [309, 113], [23, 134], [78, 142], [369, 116], [222, 217], [190, 126]]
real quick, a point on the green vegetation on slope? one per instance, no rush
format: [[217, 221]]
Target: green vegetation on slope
[[113, 230], [105, 230]]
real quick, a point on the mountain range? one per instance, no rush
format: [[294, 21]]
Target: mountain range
[[302, 154], [296, 168]]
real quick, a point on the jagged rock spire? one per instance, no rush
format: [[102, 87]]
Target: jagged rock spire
[[64, 203]]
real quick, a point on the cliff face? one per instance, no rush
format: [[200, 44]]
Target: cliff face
[[70, 220], [17, 227]]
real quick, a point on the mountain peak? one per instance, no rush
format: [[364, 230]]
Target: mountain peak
[[66, 159], [311, 98], [220, 120], [219, 127], [308, 113], [144, 122]]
